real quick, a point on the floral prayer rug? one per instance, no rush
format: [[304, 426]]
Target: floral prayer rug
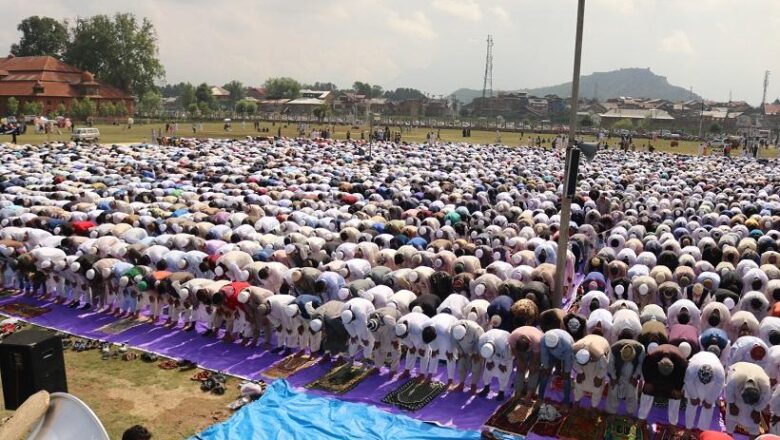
[[672, 432], [415, 394], [288, 366], [23, 310], [342, 378], [625, 428], [5, 293], [120, 326], [763, 427], [583, 423], [516, 416]]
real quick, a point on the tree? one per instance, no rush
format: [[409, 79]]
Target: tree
[[41, 36], [106, 109], [150, 103], [404, 93], [119, 50], [61, 110], [237, 91], [192, 109], [82, 109], [12, 104], [203, 94], [204, 108], [32, 108], [715, 128], [241, 107], [367, 89], [120, 109], [376, 91], [278, 88], [323, 86], [188, 95], [623, 124], [587, 121], [251, 107]]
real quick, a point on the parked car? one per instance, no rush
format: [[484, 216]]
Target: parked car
[[85, 134]]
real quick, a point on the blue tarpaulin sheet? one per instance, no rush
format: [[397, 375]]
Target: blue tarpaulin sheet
[[285, 414]]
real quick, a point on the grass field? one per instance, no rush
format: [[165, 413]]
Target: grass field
[[125, 393], [143, 133]]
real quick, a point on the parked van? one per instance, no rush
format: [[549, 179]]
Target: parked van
[[85, 134]]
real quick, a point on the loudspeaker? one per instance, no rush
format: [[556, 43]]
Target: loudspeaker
[[589, 149], [31, 361]]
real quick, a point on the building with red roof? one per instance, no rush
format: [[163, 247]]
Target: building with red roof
[[51, 82]]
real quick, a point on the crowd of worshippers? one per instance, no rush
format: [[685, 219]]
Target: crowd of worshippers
[[425, 254]]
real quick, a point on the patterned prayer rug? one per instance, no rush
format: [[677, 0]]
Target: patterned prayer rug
[[23, 310], [119, 326], [415, 394], [342, 378], [763, 427], [516, 416], [288, 366], [583, 423], [5, 293], [672, 432], [625, 428], [549, 428]]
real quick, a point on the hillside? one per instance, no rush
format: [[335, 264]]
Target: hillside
[[634, 82]]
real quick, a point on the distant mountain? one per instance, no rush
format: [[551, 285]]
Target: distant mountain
[[634, 82]]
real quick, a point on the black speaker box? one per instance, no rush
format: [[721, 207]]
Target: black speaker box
[[30, 361]]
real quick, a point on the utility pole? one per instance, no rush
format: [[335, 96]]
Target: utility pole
[[563, 233], [701, 117]]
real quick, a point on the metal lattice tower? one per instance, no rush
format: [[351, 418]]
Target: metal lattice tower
[[766, 86], [487, 84]]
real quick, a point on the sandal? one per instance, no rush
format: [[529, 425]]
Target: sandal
[[170, 364], [218, 390], [186, 365], [129, 356], [201, 376], [208, 384], [238, 403]]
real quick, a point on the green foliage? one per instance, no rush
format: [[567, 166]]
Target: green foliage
[[120, 109], [188, 95], [150, 103], [367, 89], [237, 91], [170, 91], [204, 108], [404, 93], [623, 124], [587, 121], [41, 36], [715, 128], [251, 107], [192, 109], [203, 95], [119, 50], [286, 88], [83, 109], [12, 104], [324, 86], [106, 109], [241, 107], [61, 110], [32, 108]]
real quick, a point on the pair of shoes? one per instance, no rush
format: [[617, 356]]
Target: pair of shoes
[[208, 384], [170, 364], [201, 376], [129, 356], [186, 365], [149, 357], [219, 377], [218, 389]]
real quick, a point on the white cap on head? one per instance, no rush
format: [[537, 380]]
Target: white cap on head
[[218, 271], [651, 347], [417, 309], [243, 296], [685, 349], [343, 293], [347, 316], [619, 289], [400, 329], [291, 309], [472, 316], [316, 324], [582, 356], [643, 289], [459, 332], [729, 303], [487, 350], [551, 340], [90, 274], [479, 290], [413, 276], [123, 281]]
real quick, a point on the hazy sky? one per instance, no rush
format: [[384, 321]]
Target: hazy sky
[[714, 46]]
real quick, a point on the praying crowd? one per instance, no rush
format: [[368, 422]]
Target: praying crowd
[[426, 254]]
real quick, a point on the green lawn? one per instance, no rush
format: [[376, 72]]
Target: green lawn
[[143, 133]]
